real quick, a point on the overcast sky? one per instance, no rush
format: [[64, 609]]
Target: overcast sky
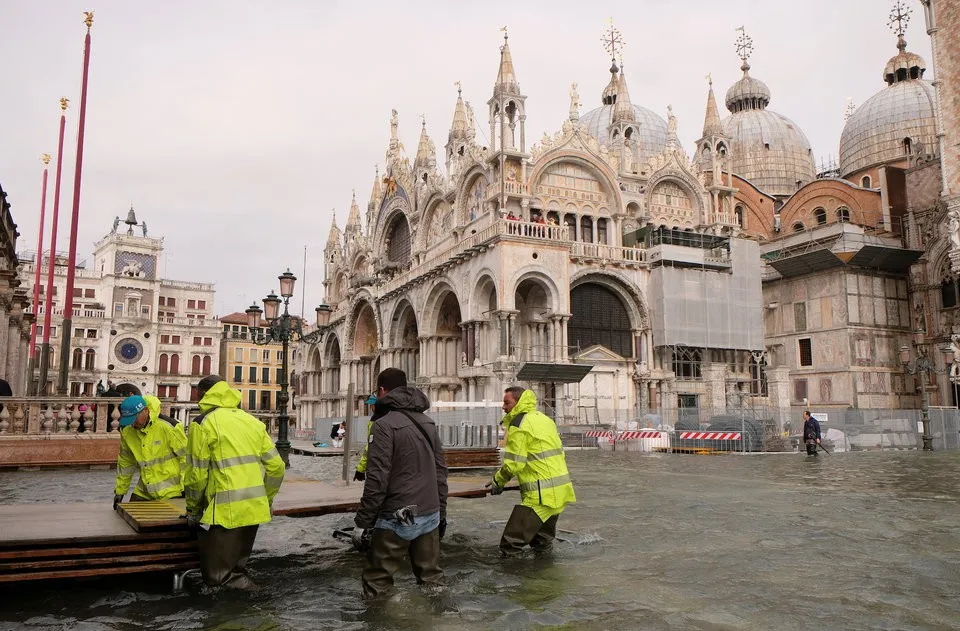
[[235, 127]]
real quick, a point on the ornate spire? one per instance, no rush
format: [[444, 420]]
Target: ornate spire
[[898, 22], [353, 219], [506, 76], [460, 125], [423, 149], [744, 46], [712, 126], [613, 43], [623, 108], [333, 239], [376, 193]]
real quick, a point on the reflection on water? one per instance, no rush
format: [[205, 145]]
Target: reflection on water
[[849, 541]]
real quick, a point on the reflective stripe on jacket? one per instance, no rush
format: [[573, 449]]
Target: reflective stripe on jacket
[[534, 454], [157, 452], [233, 470]]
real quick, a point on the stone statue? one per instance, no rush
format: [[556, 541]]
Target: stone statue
[[116, 223], [671, 121], [574, 102], [920, 319], [953, 228], [394, 123], [627, 155], [143, 226], [463, 360]]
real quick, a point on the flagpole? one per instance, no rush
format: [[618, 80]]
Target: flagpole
[[51, 261], [37, 264], [72, 260]]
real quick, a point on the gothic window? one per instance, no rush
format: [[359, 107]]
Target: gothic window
[[843, 214], [738, 215], [820, 215], [398, 249], [586, 229], [599, 317], [687, 362], [602, 231], [948, 293], [758, 376], [865, 181], [798, 227]]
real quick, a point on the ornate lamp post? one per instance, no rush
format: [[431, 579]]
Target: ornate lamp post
[[923, 366], [283, 328]]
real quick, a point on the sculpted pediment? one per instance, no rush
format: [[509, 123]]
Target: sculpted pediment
[[598, 353]]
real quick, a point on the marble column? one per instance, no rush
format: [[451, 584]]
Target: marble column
[[565, 340], [9, 371], [6, 325]]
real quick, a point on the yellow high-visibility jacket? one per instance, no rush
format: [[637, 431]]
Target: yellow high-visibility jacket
[[534, 454], [362, 465], [233, 470], [157, 451]]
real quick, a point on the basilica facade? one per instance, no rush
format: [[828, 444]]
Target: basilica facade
[[738, 275]]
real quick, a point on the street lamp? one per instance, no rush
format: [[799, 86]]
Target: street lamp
[[283, 328], [923, 366]]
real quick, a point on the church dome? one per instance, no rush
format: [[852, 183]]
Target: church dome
[[766, 148], [652, 132], [895, 120]]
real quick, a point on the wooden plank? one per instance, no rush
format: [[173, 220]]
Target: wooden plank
[[30, 553], [113, 561], [153, 515], [79, 573]]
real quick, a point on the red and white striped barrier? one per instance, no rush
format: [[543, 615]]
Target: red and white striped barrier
[[593, 433], [634, 435], [709, 435]]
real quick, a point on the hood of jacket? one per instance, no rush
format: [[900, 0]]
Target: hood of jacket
[[527, 403], [153, 404], [221, 395], [404, 398]]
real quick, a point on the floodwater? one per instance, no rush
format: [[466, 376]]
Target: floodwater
[[848, 541]]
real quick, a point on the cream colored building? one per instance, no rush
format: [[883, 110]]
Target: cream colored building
[[130, 324], [251, 368]]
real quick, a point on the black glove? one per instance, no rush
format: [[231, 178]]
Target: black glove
[[442, 528], [361, 538], [116, 501], [494, 489], [192, 520], [359, 476]]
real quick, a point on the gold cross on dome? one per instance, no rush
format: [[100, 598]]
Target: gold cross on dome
[[613, 41], [744, 44], [899, 18]]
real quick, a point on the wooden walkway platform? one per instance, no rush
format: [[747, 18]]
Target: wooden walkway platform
[[84, 539]]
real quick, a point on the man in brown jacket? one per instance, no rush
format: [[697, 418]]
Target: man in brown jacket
[[404, 506]]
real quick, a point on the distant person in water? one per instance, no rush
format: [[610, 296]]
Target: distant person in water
[[811, 433]]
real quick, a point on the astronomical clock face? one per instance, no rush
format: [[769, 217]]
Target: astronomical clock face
[[128, 350]]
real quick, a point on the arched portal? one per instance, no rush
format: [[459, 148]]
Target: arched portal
[[482, 342], [365, 348], [530, 338], [599, 317], [405, 341], [445, 346]]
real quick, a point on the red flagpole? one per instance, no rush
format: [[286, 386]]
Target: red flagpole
[[37, 263], [72, 260], [48, 309]]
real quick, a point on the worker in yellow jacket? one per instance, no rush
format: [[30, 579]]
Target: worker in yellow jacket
[[233, 473], [152, 444], [361, 473], [534, 454]]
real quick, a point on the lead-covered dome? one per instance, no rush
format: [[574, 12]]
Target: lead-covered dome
[[893, 122], [766, 148]]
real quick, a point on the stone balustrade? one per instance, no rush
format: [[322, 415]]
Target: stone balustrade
[[38, 416], [608, 252]]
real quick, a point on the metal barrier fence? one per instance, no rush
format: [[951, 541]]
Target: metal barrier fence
[[476, 427], [880, 430]]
